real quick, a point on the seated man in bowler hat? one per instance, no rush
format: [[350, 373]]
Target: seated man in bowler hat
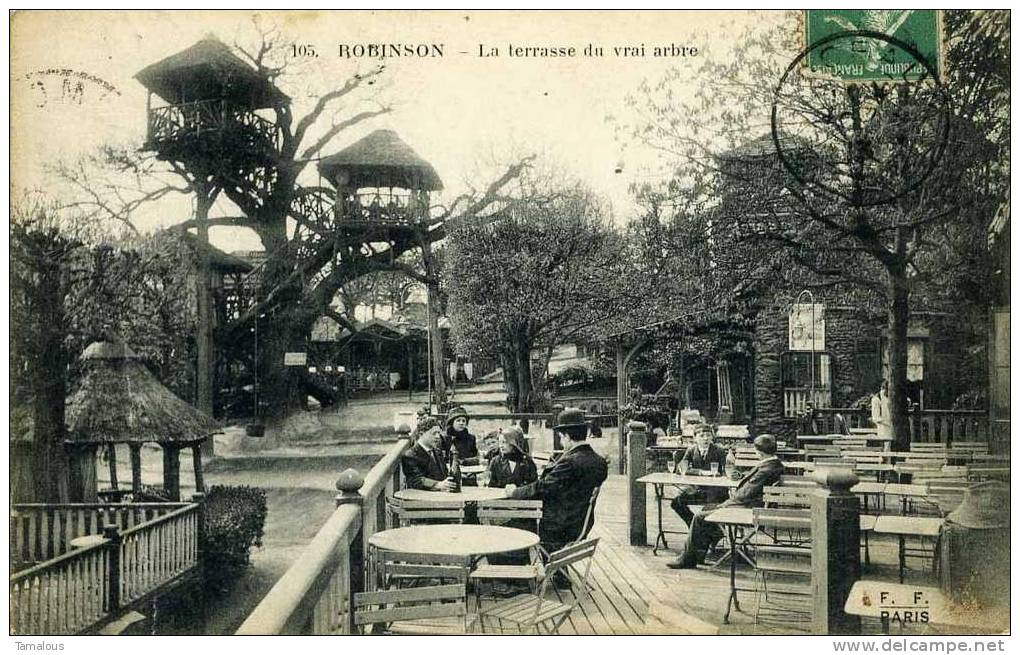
[[566, 485], [700, 457], [748, 493]]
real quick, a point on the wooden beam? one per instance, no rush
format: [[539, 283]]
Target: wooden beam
[[112, 453], [172, 470], [136, 467], [196, 457]]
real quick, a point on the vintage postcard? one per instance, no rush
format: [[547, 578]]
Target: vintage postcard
[[463, 322]]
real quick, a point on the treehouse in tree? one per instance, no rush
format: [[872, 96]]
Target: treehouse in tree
[[211, 120], [380, 182]]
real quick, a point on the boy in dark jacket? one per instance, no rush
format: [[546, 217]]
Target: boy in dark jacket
[[700, 458], [748, 493]]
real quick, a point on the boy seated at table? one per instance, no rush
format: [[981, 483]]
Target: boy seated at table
[[699, 459], [749, 493]]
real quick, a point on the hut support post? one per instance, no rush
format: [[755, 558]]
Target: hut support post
[[136, 467], [172, 471], [196, 457], [82, 487], [111, 452]]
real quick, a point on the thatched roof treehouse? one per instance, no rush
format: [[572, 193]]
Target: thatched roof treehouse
[[211, 117], [380, 180], [118, 400]]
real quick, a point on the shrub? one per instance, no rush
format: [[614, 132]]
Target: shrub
[[234, 521]]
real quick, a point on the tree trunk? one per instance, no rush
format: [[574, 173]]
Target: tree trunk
[[525, 388], [509, 364], [280, 385], [899, 316], [49, 459], [206, 349], [436, 337]]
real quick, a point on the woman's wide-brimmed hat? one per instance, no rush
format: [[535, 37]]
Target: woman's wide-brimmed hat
[[455, 413], [515, 437]]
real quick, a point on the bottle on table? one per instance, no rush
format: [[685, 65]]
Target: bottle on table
[[455, 475]]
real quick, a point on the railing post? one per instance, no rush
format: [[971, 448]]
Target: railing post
[[199, 499], [835, 550], [637, 441], [112, 535], [349, 485]]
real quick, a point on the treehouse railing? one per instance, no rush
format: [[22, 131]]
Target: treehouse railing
[[314, 595], [172, 122], [137, 551]]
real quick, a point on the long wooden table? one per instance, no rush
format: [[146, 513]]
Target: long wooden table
[[908, 526]]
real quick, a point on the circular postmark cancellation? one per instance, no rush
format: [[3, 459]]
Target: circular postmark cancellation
[[67, 86], [866, 142]]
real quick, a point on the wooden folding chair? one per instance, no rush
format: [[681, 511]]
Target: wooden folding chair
[[441, 510], [787, 556], [394, 569], [534, 611], [394, 605], [498, 512]]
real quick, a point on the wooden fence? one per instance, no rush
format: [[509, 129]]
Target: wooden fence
[[142, 548], [40, 532], [314, 595], [926, 426]]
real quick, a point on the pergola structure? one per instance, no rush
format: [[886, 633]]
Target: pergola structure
[[119, 401], [630, 343]]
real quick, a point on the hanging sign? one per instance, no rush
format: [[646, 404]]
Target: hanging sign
[[807, 327], [295, 359]]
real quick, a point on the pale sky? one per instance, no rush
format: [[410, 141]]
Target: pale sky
[[455, 111]]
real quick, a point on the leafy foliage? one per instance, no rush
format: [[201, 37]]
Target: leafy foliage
[[537, 274], [234, 520]]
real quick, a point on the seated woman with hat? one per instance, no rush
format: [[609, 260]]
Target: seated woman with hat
[[513, 464]]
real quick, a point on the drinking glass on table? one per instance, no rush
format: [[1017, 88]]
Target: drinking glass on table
[[671, 465], [713, 468], [683, 466]]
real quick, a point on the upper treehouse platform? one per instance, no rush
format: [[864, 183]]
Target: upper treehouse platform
[[380, 180], [213, 101]]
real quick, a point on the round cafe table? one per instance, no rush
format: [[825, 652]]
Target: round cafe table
[[455, 539], [465, 495]]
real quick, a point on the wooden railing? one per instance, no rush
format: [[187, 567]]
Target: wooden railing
[[169, 123], [41, 532], [65, 595], [79, 588], [928, 425], [797, 399], [156, 552], [313, 596]]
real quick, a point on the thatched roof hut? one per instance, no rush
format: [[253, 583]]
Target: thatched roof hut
[[209, 70], [380, 159], [119, 401]]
